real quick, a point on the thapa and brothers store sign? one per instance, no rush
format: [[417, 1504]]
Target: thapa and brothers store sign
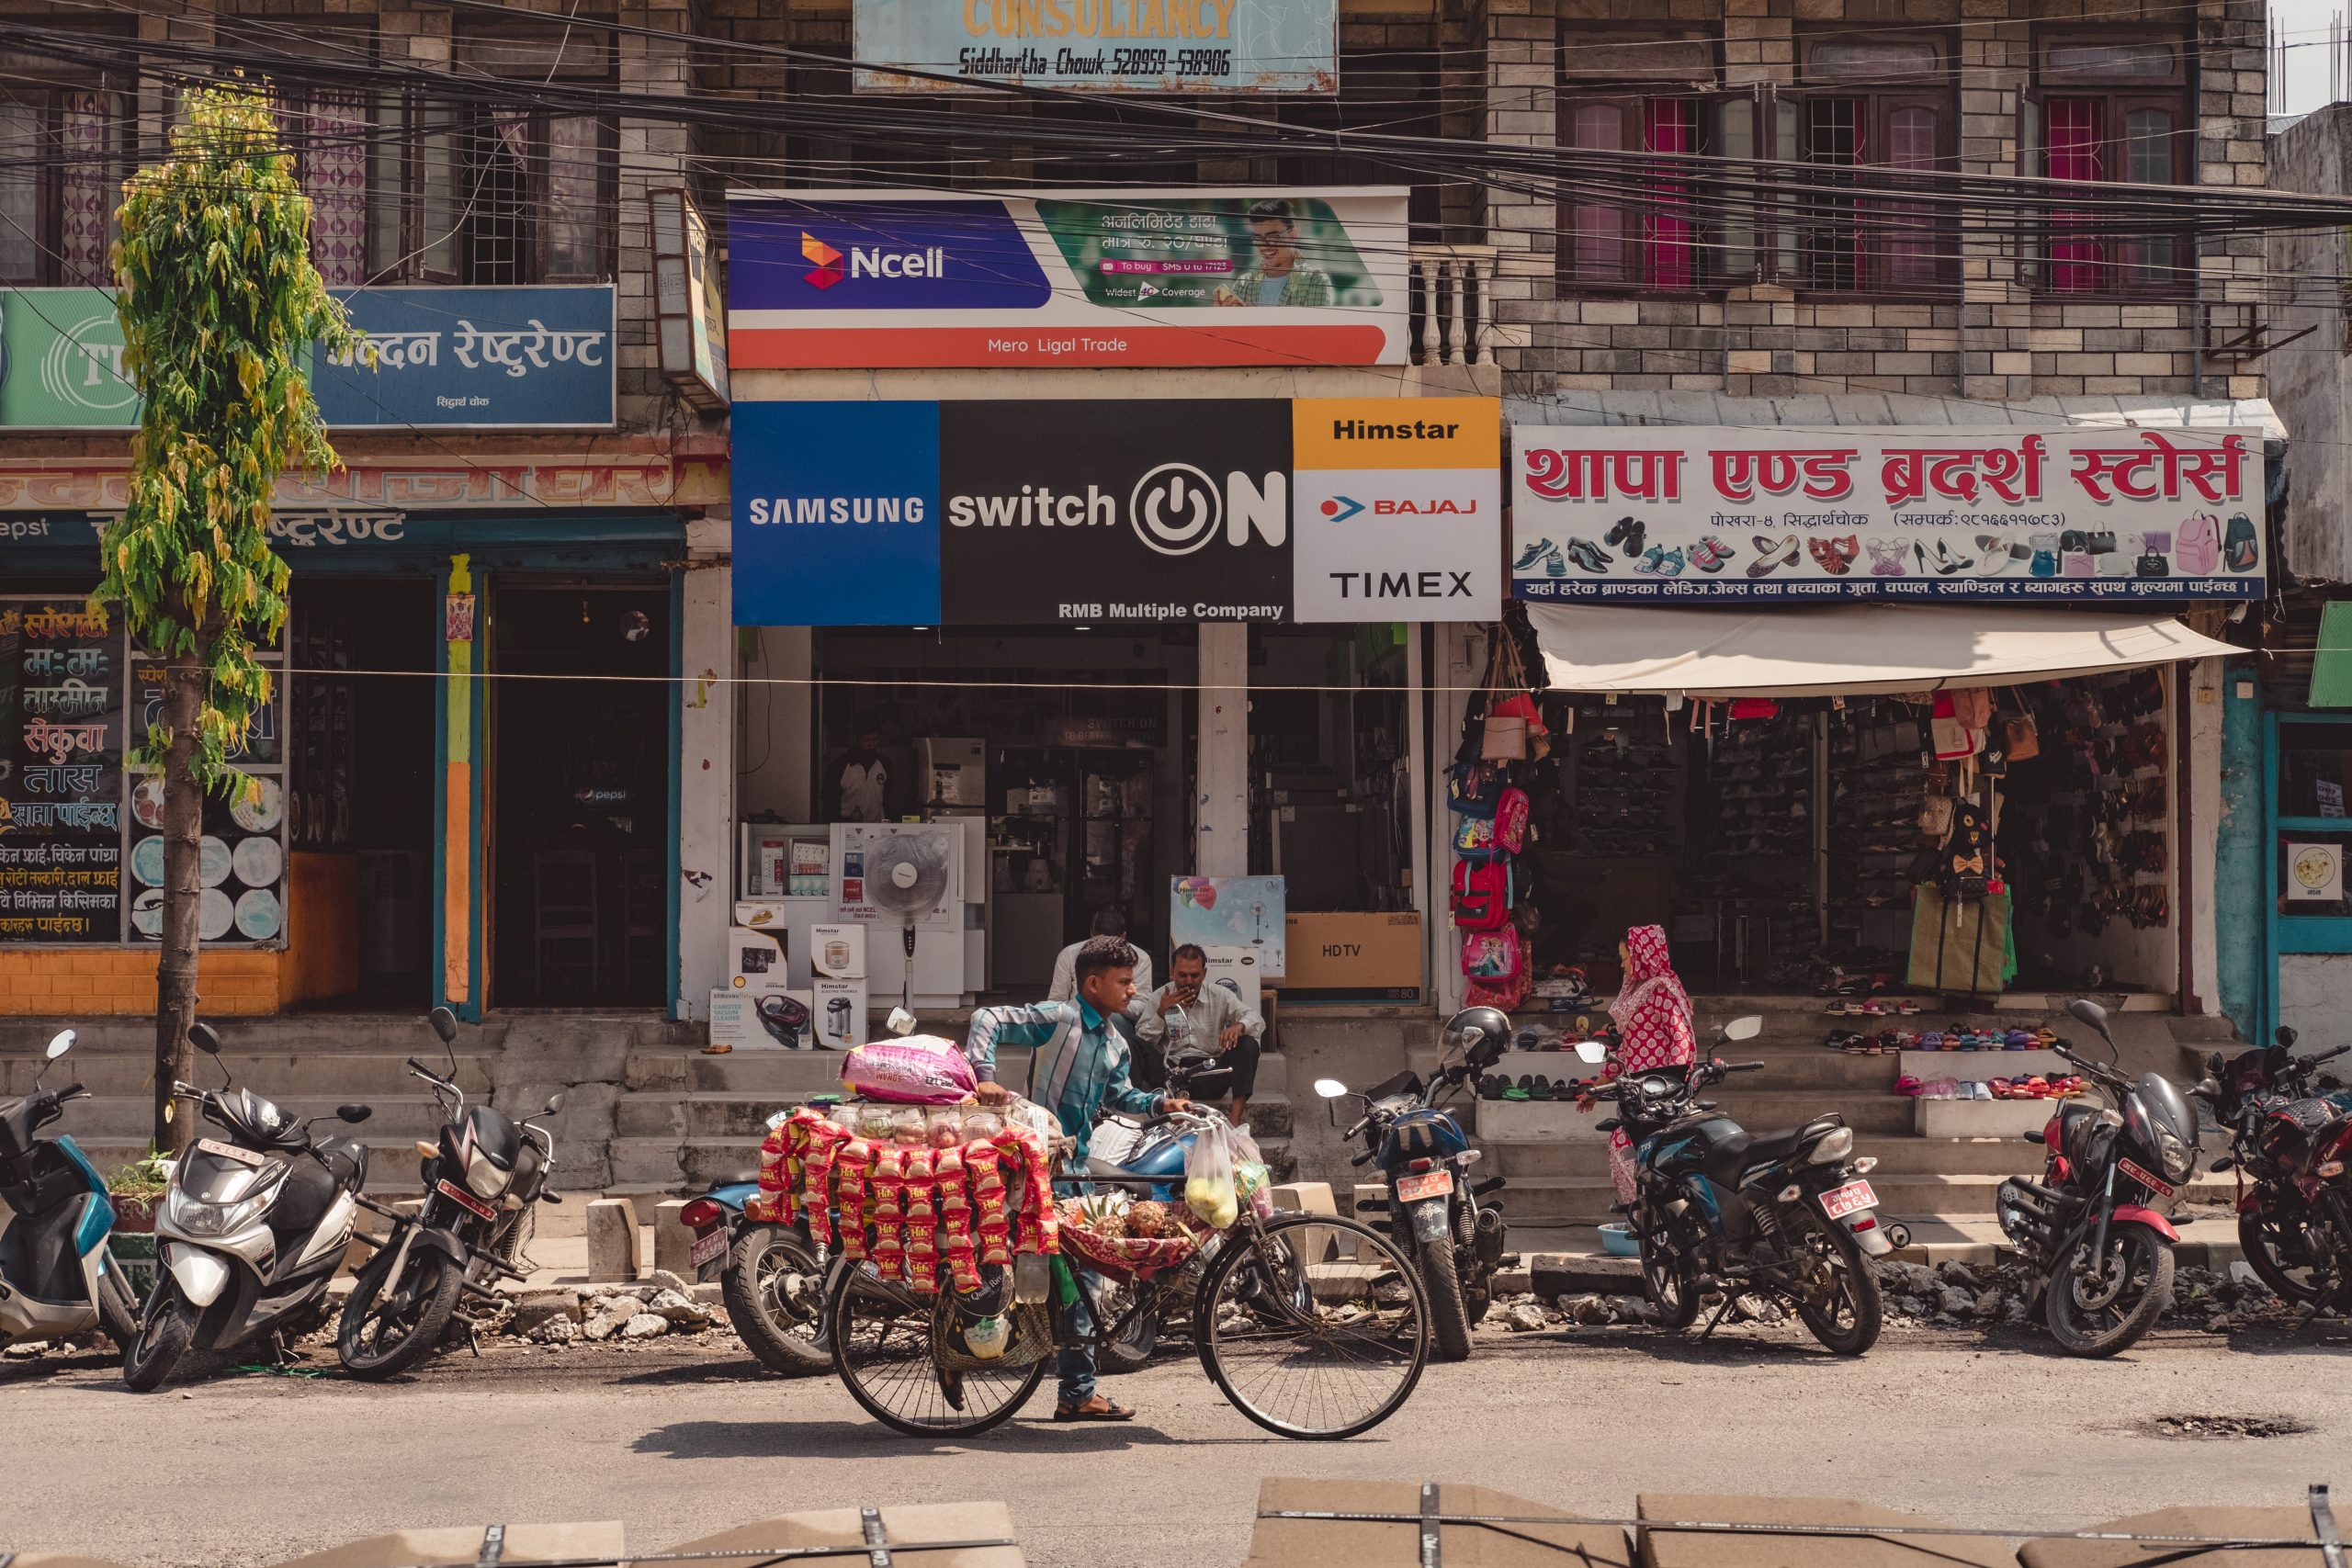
[[1700, 514], [1054, 512]]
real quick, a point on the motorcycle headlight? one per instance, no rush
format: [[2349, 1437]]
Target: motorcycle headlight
[[197, 1217], [1833, 1148], [2178, 1157], [485, 1178]]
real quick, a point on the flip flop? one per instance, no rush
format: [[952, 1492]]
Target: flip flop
[[1908, 1008], [1111, 1411], [716, 1048]]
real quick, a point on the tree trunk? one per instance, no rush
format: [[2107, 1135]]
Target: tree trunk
[[183, 898]]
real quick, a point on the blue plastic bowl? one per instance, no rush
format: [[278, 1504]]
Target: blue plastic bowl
[[1618, 1242]]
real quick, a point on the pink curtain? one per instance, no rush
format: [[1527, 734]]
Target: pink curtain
[[2075, 135], [1670, 253], [334, 176], [86, 200]]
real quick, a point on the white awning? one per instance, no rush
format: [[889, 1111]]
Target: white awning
[[1846, 650]]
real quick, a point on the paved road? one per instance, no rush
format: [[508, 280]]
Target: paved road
[[678, 1441]]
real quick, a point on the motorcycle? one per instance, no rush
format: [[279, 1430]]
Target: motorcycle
[[2294, 1214], [57, 1278], [1433, 1208], [2091, 1228], [480, 1178], [1787, 1215], [251, 1229]]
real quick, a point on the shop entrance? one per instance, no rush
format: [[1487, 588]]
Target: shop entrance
[[579, 795], [1824, 842], [360, 807]]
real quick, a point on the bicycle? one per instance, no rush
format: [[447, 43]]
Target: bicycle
[[1313, 1327]]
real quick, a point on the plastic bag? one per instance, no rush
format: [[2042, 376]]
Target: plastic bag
[[922, 1069], [1209, 1189]]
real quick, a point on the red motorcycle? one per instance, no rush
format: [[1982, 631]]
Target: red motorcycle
[[2289, 1148]]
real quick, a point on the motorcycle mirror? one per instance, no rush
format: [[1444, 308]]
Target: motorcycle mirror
[[1747, 1028], [1592, 1053], [355, 1113], [2213, 1064], [2090, 1012], [1329, 1089], [205, 1038], [555, 1103], [2286, 1035], [444, 1024], [60, 1045], [2207, 1087]]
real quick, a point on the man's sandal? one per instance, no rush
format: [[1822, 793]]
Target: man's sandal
[[1111, 1410]]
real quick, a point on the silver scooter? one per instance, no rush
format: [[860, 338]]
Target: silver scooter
[[252, 1228]]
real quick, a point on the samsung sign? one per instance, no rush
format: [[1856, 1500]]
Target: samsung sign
[[1030, 512]]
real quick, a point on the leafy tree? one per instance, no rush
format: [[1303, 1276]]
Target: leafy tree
[[220, 306]]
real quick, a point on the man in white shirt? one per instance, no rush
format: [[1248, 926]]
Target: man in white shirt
[[1188, 1013]]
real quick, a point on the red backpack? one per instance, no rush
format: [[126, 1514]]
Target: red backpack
[[1482, 895], [1482, 838]]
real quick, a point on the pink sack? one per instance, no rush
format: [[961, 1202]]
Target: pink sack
[[922, 1069]]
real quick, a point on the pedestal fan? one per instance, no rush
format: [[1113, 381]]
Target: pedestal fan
[[907, 876]]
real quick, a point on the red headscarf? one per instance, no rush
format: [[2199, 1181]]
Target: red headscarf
[[1651, 1009]]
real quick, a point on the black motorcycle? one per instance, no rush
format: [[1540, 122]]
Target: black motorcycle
[[1786, 1216], [2291, 1233], [1432, 1205], [2095, 1227], [481, 1179]]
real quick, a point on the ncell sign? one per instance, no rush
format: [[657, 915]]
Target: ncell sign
[[1064, 513]]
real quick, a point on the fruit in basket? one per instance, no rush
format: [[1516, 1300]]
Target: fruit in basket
[[1153, 1221]]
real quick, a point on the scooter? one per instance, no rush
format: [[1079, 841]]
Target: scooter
[[252, 1228], [57, 1278]]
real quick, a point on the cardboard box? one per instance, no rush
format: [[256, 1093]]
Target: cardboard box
[[905, 1528], [755, 960], [760, 915], [1373, 957], [839, 1007], [837, 952], [733, 1021], [1307, 1542], [1238, 964], [771, 1020]]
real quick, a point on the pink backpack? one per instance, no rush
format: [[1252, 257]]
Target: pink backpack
[[1481, 838], [2196, 546], [1482, 895], [1493, 956]]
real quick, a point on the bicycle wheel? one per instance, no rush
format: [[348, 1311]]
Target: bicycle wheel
[[1313, 1326], [886, 1343]]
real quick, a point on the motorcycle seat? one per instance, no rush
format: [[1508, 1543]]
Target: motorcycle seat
[[1097, 1166], [1744, 1151], [347, 1157]]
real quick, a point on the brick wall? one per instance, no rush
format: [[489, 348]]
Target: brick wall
[[1990, 336]]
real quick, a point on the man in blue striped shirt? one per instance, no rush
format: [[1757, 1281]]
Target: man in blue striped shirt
[[1079, 1066]]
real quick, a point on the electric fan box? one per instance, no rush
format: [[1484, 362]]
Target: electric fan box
[[755, 961]]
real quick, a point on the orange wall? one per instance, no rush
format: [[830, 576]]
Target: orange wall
[[321, 960]]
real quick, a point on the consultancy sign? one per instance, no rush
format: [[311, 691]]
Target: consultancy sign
[[1128, 277], [483, 358], [1117, 46]]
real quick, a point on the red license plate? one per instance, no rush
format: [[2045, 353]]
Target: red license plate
[[2161, 1188], [1850, 1198], [1436, 1184], [464, 1198], [708, 1245]]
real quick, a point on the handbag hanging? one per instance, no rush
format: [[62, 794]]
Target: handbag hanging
[[1511, 716], [2020, 737]]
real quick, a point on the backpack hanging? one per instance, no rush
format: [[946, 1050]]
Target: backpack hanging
[[1475, 789], [1493, 956], [1481, 838], [1482, 895]]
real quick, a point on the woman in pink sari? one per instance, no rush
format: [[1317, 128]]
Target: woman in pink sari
[[1654, 1026], [1651, 1009]]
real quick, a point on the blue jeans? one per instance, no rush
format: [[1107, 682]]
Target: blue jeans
[[1076, 1365]]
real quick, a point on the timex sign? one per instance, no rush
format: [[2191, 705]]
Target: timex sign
[[1060, 512]]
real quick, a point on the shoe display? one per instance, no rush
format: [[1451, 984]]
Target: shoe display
[[1710, 553], [1586, 556], [1533, 553], [1774, 557]]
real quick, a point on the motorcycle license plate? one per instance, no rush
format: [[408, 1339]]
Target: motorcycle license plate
[[708, 1245], [229, 1151], [463, 1199], [1436, 1184], [1850, 1198], [2161, 1188]]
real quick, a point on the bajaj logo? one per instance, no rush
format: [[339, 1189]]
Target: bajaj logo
[[824, 262], [1340, 508]]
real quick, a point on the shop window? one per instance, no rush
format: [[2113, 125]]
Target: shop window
[[67, 148], [1329, 811], [2315, 769], [1653, 240], [2105, 112]]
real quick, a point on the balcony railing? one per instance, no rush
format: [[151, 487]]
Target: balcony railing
[[1451, 303]]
